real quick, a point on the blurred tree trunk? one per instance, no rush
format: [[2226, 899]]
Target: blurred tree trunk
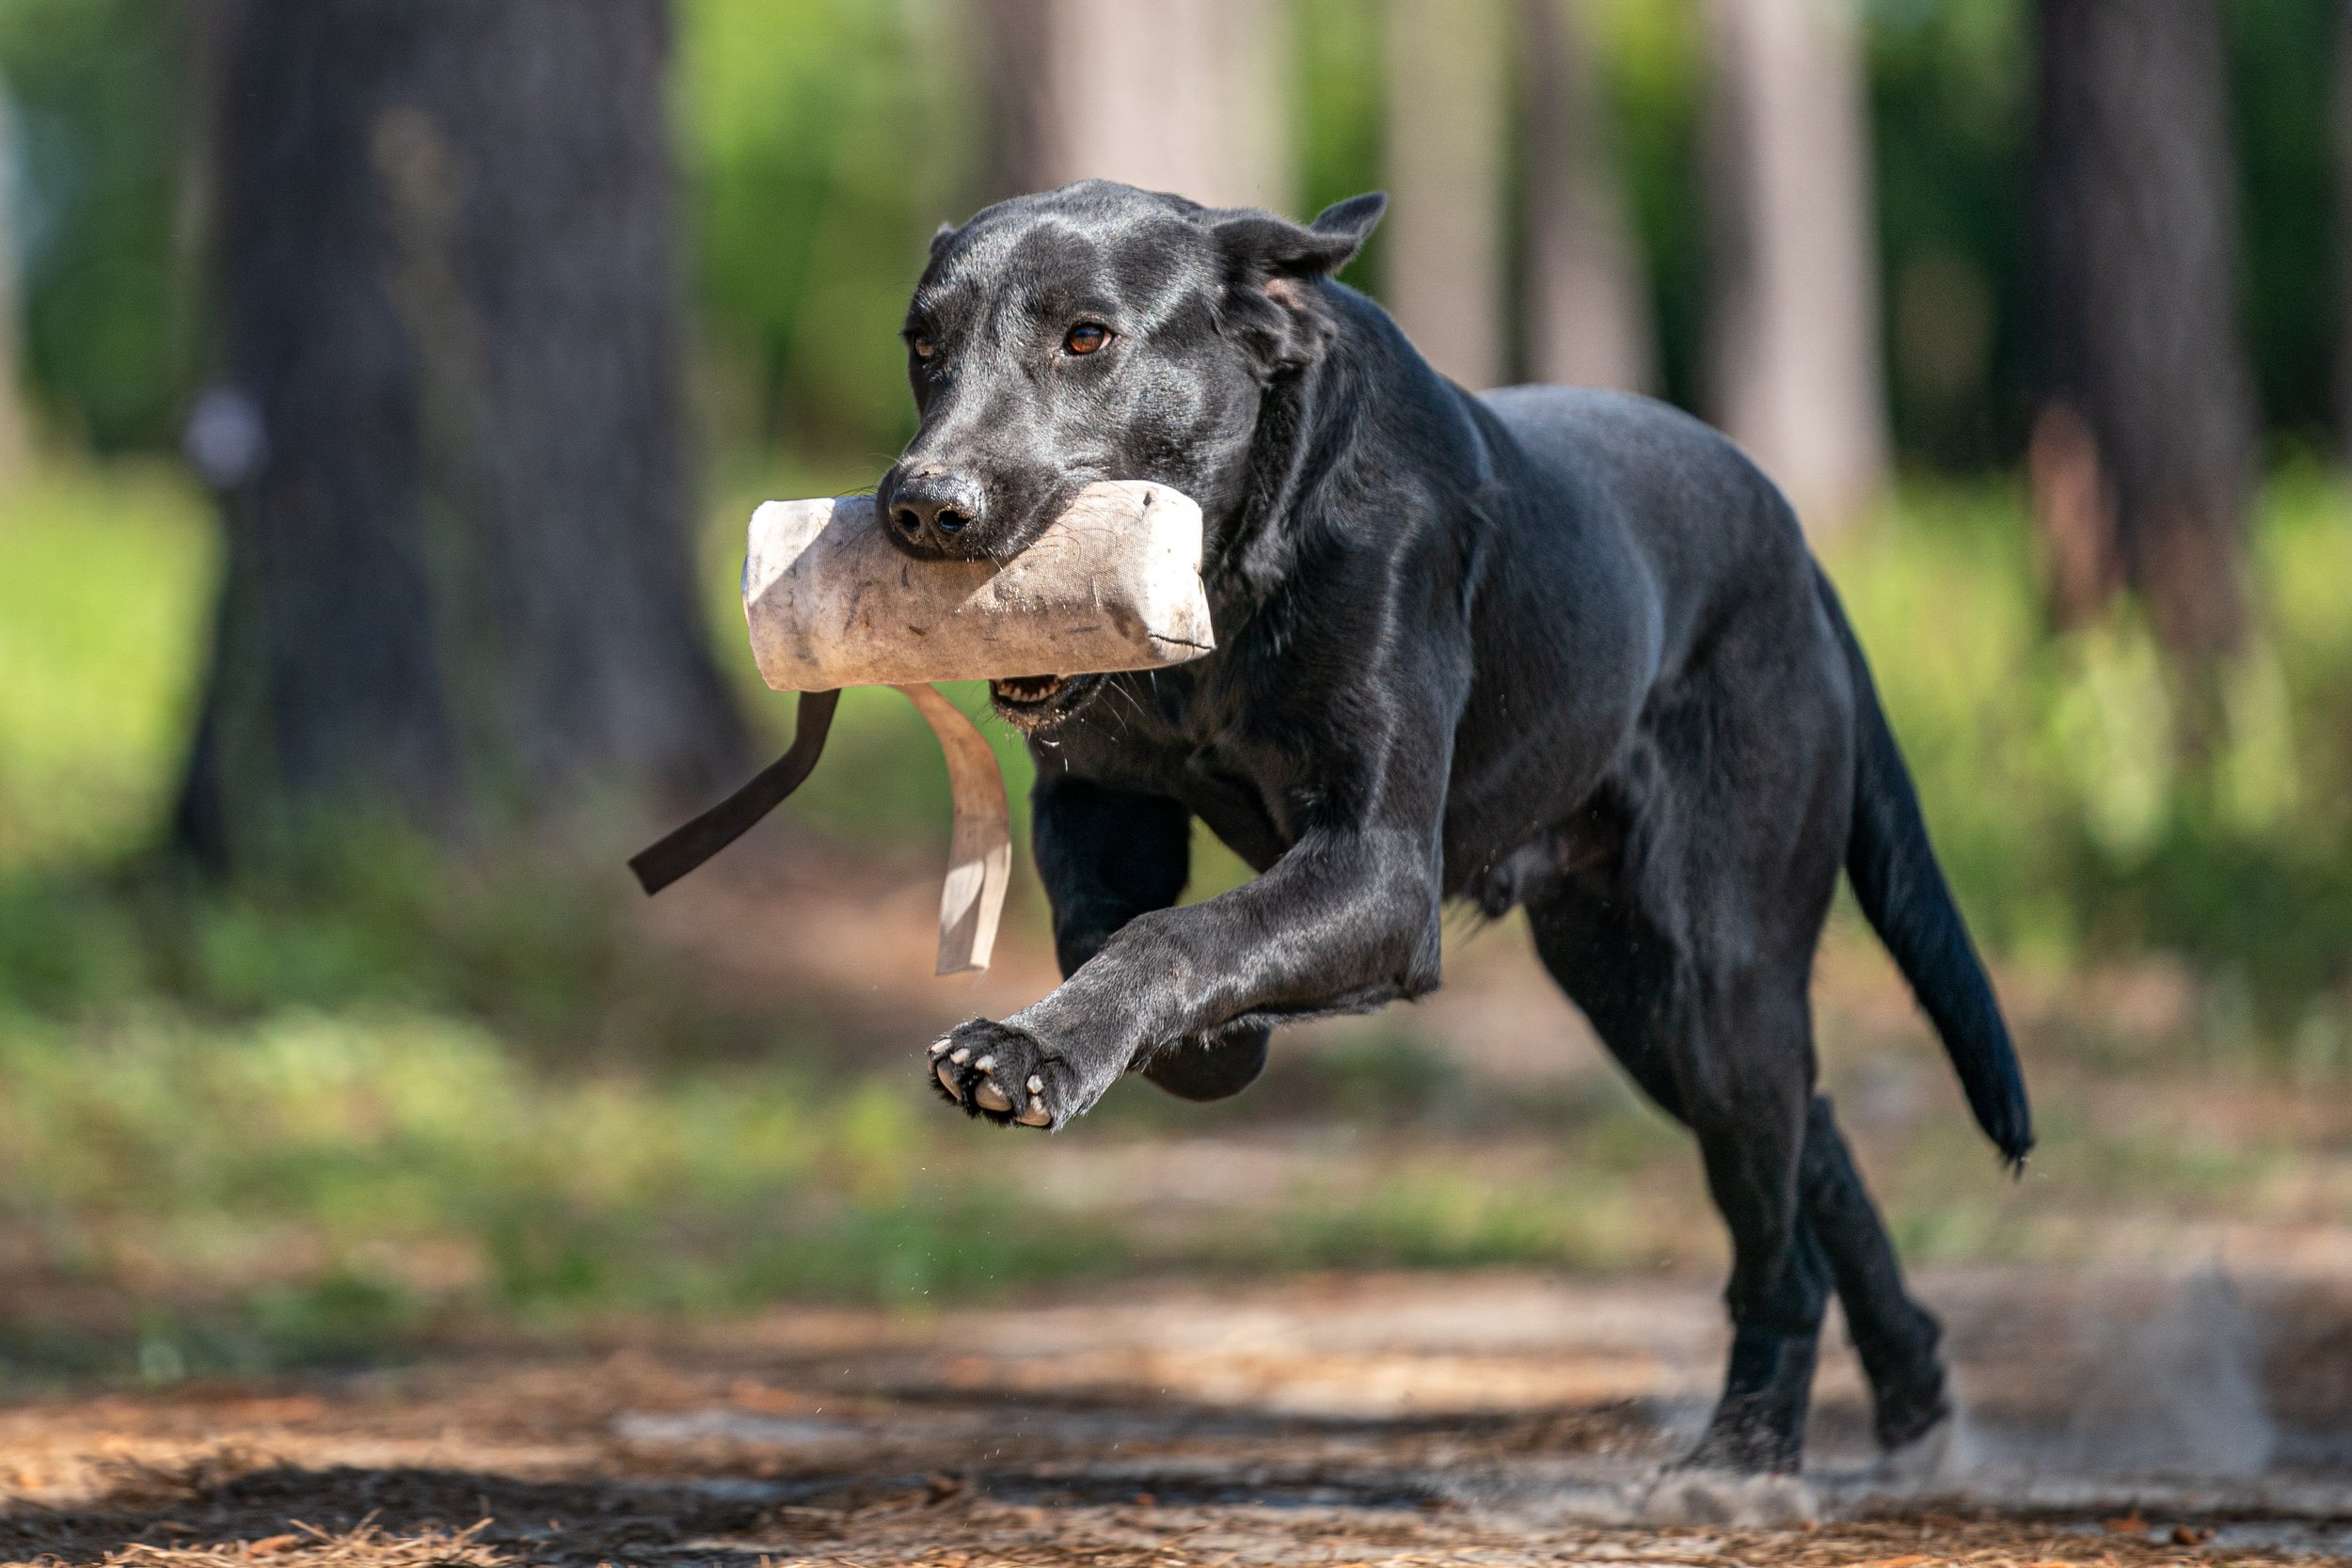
[[1587, 303], [15, 427], [1793, 357], [1189, 96], [1442, 260], [458, 588], [2142, 452]]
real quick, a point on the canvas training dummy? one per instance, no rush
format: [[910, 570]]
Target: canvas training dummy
[[1113, 583]]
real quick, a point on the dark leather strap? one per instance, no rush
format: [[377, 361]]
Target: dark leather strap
[[664, 862]]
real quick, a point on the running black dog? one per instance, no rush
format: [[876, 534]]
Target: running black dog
[[1544, 647]]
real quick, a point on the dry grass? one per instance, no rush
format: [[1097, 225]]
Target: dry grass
[[940, 1524], [309, 1546], [1020, 1437]]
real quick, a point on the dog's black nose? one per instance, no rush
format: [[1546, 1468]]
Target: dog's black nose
[[933, 506]]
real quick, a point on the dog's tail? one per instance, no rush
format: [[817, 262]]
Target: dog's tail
[[1902, 890]]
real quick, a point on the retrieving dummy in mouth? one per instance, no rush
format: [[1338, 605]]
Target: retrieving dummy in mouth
[[1112, 583]]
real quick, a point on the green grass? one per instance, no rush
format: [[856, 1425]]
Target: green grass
[[2071, 820], [105, 581], [316, 1185]]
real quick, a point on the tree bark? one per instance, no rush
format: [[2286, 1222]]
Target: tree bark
[[1189, 96], [2143, 451], [1588, 316], [458, 589], [1793, 356], [1443, 257]]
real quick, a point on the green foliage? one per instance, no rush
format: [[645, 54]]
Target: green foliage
[[819, 157], [1951, 101], [337, 1180], [2069, 814], [106, 579], [1655, 69], [2283, 79], [1339, 115], [99, 102]]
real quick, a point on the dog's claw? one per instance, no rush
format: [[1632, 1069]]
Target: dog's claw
[[988, 1096], [1036, 1085], [960, 1054], [939, 1046], [986, 1064]]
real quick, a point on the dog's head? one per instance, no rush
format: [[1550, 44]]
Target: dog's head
[[1098, 332]]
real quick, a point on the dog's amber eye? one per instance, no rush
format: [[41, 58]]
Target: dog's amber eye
[[1086, 338], [922, 344]]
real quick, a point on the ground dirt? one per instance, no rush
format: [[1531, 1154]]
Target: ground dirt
[[2151, 1335], [1494, 1419]]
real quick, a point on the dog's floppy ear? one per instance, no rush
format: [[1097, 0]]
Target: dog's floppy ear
[[1272, 265], [941, 236]]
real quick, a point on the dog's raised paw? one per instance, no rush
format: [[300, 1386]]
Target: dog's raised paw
[[995, 1071]]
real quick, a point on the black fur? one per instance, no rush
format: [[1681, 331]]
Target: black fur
[[1558, 649]]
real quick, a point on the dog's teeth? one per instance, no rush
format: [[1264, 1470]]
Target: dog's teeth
[[960, 1054], [988, 1096], [1030, 689], [986, 1064], [1036, 1085]]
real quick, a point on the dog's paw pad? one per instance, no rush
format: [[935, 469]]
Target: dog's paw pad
[[979, 1062]]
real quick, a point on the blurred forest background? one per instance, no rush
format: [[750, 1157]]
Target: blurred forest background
[[383, 383]]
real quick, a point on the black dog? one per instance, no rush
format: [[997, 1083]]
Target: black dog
[[1545, 647]]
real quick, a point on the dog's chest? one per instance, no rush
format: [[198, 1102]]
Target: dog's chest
[[1174, 735]]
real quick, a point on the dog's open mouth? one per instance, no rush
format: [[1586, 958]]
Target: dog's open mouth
[[1027, 700], [1027, 690], [1033, 702]]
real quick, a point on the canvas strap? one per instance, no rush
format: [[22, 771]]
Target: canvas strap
[[979, 856], [979, 859]]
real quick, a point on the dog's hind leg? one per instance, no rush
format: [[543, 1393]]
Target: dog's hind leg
[[1745, 1068], [1729, 1056], [1895, 1336]]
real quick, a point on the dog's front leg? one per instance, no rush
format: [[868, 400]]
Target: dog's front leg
[[1346, 920], [1106, 856]]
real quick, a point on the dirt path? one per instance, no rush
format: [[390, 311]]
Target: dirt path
[[1492, 1419]]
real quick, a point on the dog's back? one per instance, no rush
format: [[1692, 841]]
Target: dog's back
[[1708, 527]]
